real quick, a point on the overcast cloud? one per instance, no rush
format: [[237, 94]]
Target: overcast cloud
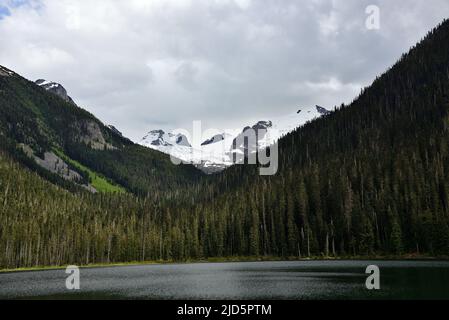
[[143, 65]]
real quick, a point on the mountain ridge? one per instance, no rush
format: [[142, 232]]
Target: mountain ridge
[[55, 88], [42, 128], [217, 153]]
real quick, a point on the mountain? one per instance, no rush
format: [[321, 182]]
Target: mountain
[[160, 138], [55, 88], [214, 139], [218, 152], [369, 179], [41, 127]]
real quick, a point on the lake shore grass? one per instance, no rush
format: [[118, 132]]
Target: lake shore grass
[[405, 257]]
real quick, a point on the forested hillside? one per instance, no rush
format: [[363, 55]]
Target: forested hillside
[[34, 122], [370, 178]]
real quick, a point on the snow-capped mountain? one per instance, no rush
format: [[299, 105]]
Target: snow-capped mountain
[[214, 139], [160, 138], [218, 152], [55, 88], [178, 146]]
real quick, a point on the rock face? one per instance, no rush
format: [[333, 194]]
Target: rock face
[[214, 139], [5, 72], [181, 140], [56, 89], [56, 165], [91, 135], [159, 141]]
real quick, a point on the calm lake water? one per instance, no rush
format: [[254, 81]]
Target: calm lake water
[[254, 280]]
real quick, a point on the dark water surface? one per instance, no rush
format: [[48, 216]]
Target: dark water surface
[[253, 280]]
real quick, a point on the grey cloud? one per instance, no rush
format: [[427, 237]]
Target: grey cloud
[[142, 65]]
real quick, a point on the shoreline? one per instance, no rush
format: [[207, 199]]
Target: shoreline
[[408, 257]]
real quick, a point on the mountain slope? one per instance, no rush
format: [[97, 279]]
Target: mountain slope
[[50, 130]]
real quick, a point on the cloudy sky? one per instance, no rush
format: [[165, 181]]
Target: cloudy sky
[[150, 64]]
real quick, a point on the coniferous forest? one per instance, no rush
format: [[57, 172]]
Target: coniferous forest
[[370, 178]]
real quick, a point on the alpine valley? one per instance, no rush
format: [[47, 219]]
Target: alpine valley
[[366, 179]]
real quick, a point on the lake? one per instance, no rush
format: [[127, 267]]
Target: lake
[[291, 280]]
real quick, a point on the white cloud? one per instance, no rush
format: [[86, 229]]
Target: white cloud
[[145, 64], [243, 4]]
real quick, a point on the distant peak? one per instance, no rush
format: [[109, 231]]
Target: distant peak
[[263, 125], [214, 139], [322, 110], [55, 88], [159, 132], [182, 140], [161, 138]]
